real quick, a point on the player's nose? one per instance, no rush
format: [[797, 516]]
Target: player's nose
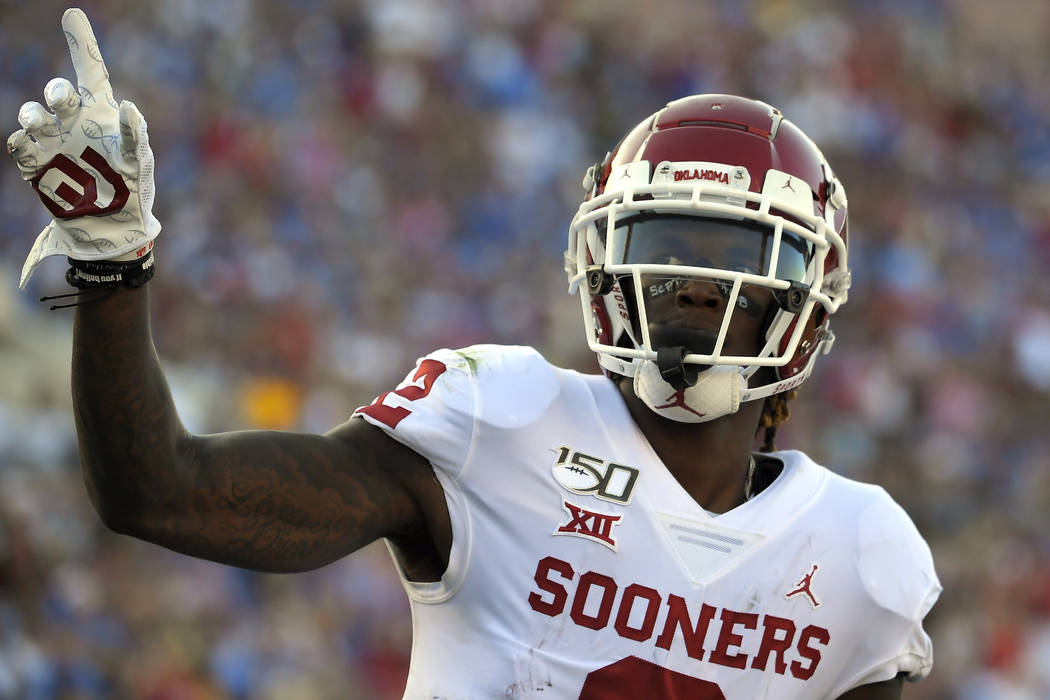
[[700, 294]]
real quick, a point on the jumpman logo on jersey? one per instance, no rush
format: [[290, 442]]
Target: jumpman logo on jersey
[[679, 402], [804, 588]]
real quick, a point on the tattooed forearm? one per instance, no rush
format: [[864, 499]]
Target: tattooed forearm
[[124, 414], [258, 499]]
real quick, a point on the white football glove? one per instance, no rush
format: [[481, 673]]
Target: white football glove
[[89, 161]]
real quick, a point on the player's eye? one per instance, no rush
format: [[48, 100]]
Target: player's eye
[[668, 258], [703, 261]]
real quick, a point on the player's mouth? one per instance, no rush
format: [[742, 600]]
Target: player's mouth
[[673, 342], [693, 339]]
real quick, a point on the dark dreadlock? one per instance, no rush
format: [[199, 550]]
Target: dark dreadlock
[[774, 412]]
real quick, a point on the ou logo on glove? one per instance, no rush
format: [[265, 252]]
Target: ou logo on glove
[[82, 204]]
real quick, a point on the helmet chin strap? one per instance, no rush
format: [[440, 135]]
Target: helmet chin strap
[[716, 393]]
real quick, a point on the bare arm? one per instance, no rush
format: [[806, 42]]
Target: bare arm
[[263, 500], [887, 690]]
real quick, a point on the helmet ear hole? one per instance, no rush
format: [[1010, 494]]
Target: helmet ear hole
[[820, 315], [814, 332]]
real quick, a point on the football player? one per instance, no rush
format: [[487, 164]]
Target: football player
[[559, 535]]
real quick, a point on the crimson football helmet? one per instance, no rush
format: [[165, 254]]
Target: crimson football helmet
[[719, 190]]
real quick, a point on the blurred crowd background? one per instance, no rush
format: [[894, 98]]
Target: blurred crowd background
[[345, 186]]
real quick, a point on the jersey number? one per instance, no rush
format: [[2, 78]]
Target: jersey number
[[637, 678], [429, 370]]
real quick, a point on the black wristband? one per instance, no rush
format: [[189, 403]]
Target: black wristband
[[91, 274]]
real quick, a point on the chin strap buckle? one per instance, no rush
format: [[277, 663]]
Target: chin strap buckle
[[673, 370]]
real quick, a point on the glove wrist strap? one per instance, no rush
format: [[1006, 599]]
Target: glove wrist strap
[[98, 279], [93, 274]]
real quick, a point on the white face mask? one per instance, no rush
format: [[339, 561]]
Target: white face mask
[[716, 393]]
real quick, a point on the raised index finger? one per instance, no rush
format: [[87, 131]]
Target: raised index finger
[[92, 76]]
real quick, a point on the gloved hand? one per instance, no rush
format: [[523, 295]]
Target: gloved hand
[[89, 161]]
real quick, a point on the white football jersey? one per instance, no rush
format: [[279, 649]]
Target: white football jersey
[[580, 568]]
